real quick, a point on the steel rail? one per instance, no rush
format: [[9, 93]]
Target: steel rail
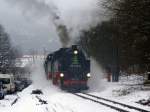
[[102, 103], [122, 104]]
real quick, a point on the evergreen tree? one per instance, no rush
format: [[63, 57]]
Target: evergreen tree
[[123, 41], [102, 43], [133, 17]]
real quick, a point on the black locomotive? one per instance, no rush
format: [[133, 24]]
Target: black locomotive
[[68, 68]]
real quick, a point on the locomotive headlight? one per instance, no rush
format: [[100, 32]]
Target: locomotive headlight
[[61, 75], [75, 52], [88, 75]]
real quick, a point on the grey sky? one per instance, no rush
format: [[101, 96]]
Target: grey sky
[[28, 31], [30, 23]]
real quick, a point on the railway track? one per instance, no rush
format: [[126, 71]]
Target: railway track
[[110, 103]]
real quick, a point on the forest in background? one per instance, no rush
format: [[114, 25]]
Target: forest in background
[[122, 42]]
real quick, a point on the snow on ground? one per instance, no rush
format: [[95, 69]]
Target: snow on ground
[[55, 100], [131, 79], [60, 100], [125, 94]]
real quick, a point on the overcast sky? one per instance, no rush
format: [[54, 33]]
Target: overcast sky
[[27, 32], [30, 22]]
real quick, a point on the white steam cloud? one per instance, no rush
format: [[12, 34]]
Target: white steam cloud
[[96, 83], [74, 15]]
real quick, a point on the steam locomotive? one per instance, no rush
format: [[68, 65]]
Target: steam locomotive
[[69, 68]]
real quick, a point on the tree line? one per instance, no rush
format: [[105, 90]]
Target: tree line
[[122, 42], [8, 53]]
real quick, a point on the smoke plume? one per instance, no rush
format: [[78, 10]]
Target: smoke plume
[[69, 17], [96, 83]]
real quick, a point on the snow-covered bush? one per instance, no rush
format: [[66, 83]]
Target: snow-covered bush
[[125, 90], [131, 79]]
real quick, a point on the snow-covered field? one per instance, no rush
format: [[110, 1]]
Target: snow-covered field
[[55, 100]]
